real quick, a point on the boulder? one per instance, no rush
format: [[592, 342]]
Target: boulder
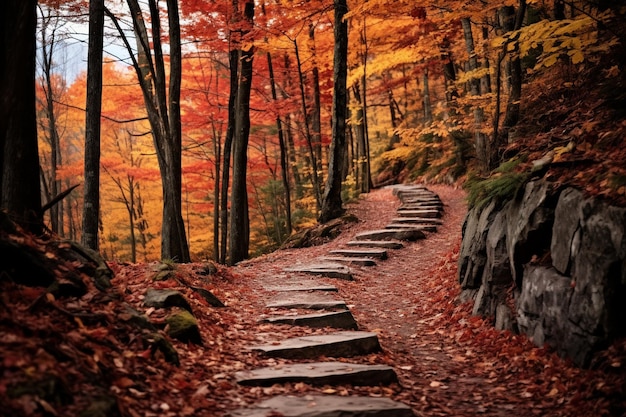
[[529, 226], [184, 327], [165, 298], [566, 224], [473, 256]]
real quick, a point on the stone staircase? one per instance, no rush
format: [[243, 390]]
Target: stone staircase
[[418, 215]]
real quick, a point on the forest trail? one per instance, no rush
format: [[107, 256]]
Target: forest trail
[[448, 362], [397, 338], [394, 300]]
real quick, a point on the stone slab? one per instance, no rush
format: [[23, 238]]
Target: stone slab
[[302, 286], [326, 406], [420, 213], [387, 244], [329, 269], [335, 319], [417, 220], [350, 260], [336, 345], [309, 301], [319, 373], [361, 253], [391, 234], [431, 228], [421, 206]]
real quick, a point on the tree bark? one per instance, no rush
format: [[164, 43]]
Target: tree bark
[[19, 155], [239, 220], [331, 203], [91, 193]]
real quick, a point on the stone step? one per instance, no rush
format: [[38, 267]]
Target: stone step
[[350, 260], [387, 244], [421, 200], [361, 253], [400, 188], [420, 206], [420, 213], [319, 373], [417, 220], [336, 345], [336, 319], [391, 234], [431, 228], [309, 301], [326, 269], [326, 406], [307, 285]]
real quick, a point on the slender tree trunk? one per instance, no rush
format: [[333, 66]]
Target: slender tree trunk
[[361, 148], [331, 203], [307, 131], [283, 150], [217, 148], [163, 111], [316, 116], [368, 165], [228, 144], [291, 149], [239, 220], [428, 110], [513, 105], [480, 139]]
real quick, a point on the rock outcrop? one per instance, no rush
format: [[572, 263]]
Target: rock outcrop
[[551, 264]]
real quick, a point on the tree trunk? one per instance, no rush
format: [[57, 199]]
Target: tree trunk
[[331, 203], [49, 25], [428, 110], [316, 116], [19, 155], [233, 59], [239, 220], [283, 150], [163, 111], [91, 193], [307, 131], [513, 105], [480, 139]]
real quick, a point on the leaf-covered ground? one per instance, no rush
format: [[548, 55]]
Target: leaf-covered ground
[[75, 352]]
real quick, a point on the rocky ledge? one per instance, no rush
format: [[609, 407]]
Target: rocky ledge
[[551, 264]]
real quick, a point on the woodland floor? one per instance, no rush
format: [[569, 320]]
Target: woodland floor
[[449, 362]]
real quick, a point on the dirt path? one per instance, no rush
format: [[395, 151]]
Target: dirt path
[[449, 362]]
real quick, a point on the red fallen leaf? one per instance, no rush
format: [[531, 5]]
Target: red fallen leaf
[[124, 382]]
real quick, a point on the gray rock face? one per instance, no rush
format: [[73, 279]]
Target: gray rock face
[[529, 223], [496, 279], [566, 224], [576, 303], [326, 406], [473, 256]]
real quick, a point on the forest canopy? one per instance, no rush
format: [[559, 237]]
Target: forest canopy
[[436, 91]]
